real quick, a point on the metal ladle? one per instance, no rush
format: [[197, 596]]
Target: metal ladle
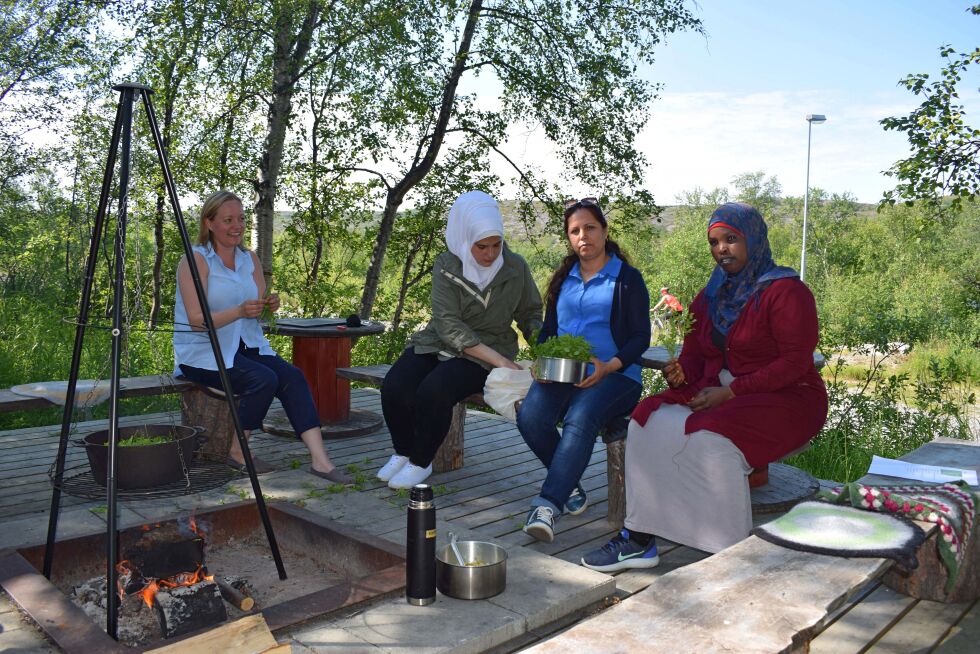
[[455, 548]]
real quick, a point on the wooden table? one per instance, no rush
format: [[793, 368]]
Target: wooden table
[[320, 346]]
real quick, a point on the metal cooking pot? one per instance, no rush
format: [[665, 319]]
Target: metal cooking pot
[[561, 370], [472, 581], [143, 466]]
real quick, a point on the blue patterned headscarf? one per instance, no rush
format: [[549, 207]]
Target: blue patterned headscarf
[[728, 294]]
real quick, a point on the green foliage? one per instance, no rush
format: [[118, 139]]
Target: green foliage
[[565, 346], [138, 441], [945, 160], [880, 417], [672, 328]]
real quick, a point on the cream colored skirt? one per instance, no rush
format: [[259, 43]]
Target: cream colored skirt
[[690, 489]]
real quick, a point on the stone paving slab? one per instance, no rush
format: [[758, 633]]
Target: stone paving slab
[[540, 589]]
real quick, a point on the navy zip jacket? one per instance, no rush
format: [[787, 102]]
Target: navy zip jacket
[[629, 320]]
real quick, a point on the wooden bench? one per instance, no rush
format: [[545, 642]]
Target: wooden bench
[[128, 387], [450, 453], [759, 597], [790, 485], [200, 406]]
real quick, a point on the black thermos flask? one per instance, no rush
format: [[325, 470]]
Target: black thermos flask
[[420, 573]]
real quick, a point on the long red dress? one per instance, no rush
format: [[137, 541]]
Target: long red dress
[[780, 400]]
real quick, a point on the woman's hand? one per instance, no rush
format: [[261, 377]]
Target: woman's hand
[[602, 368], [251, 308], [272, 301], [709, 398], [674, 374], [507, 363], [534, 375]]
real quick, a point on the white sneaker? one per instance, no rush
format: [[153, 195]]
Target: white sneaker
[[390, 469], [410, 475]]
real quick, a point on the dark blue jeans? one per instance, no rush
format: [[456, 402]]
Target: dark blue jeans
[[583, 412], [256, 379]]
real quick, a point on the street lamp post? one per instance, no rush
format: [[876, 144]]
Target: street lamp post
[[810, 119]]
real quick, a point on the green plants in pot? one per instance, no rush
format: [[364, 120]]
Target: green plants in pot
[[562, 358]]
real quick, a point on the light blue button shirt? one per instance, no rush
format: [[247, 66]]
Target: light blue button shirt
[[584, 309], [226, 289]]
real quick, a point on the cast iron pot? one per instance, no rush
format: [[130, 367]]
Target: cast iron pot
[[473, 581], [561, 370], [143, 466]]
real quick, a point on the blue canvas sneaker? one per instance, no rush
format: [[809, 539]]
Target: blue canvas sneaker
[[577, 501], [621, 554], [540, 523]]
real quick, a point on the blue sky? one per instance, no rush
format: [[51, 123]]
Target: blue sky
[[735, 102]]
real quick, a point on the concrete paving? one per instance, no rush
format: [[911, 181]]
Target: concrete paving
[[540, 589]]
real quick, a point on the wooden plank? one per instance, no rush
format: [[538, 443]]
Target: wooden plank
[[375, 374], [755, 597], [672, 557], [656, 357], [862, 623], [128, 387], [922, 628], [248, 635], [367, 374], [964, 636]]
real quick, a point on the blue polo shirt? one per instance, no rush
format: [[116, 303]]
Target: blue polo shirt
[[584, 309]]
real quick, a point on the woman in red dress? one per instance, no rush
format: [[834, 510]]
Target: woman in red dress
[[744, 392]]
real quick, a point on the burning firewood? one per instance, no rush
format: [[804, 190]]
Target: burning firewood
[[189, 608]]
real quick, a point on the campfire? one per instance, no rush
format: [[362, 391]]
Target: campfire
[[164, 587], [171, 572]]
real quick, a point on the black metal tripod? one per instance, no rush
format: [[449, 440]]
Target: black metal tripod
[[122, 131]]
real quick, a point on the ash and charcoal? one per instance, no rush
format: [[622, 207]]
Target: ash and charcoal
[[137, 624]]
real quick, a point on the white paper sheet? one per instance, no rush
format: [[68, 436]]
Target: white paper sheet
[[942, 474]]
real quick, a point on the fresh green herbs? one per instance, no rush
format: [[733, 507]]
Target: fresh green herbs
[[268, 316], [137, 440], [565, 346], [671, 329]]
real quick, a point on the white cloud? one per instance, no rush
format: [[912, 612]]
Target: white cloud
[[706, 139]]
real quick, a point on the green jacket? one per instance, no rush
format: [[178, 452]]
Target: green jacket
[[463, 316]]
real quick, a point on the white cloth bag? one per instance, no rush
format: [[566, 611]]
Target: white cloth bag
[[505, 386]]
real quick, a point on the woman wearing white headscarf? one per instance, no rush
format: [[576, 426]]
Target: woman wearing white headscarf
[[479, 289]]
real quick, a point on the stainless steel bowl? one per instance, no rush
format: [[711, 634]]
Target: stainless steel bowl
[[561, 370], [486, 579]]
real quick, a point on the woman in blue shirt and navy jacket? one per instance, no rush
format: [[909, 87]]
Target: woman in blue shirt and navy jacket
[[595, 294]]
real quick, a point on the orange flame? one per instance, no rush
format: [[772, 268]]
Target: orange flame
[[182, 579]]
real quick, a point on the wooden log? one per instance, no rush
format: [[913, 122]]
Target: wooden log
[[616, 476], [249, 635], [928, 581], [201, 407], [189, 608], [162, 559], [449, 456], [235, 597]]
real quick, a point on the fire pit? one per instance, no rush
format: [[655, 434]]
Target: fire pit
[[361, 568]]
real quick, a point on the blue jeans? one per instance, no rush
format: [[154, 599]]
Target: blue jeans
[[256, 379], [583, 412]]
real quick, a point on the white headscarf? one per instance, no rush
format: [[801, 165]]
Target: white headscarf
[[474, 217]]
